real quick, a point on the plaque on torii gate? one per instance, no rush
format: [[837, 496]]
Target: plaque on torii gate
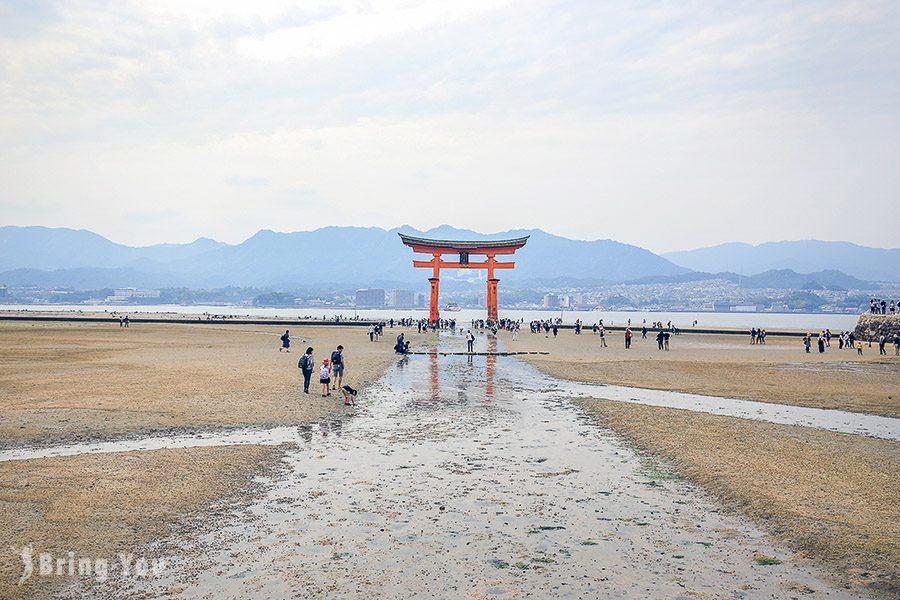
[[490, 249]]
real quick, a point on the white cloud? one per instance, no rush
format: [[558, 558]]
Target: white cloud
[[665, 126]]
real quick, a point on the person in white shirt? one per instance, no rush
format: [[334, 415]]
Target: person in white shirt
[[325, 377]]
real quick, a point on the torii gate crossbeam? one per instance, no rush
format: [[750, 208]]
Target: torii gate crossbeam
[[490, 249]]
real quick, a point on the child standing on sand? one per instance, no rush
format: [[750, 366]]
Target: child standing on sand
[[325, 377]]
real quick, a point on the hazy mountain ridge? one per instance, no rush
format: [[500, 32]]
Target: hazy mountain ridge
[[360, 256], [54, 248], [804, 256], [348, 255]]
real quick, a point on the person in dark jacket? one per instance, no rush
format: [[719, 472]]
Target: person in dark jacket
[[285, 342], [305, 365], [337, 368]]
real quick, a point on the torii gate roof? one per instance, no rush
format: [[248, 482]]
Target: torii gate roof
[[471, 246]]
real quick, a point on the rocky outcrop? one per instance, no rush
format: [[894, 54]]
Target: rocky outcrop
[[874, 325]]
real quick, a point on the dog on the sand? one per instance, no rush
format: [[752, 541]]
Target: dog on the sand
[[349, 395]]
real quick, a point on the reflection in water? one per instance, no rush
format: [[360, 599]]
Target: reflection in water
[[435, 384], [491, 366]]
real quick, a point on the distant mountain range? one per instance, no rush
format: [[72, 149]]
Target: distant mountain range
[[331, 255], [361, 256], [870, 264]]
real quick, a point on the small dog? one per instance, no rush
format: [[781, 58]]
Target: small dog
[[349, 395]]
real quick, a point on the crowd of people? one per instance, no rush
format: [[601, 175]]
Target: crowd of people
[[757, 336], [879, 306], [848, 340], [331, 370], [549, 327]]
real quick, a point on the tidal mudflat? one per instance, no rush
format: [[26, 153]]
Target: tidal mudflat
[[472, 478], [807, 444]]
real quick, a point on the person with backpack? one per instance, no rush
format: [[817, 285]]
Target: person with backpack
[[337, 367], [285, 341], [470, 342], [305, 364]]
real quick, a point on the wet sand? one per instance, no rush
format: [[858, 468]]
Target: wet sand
[[473, 466], [98, 506], [832, 497], [725, 365], [465, 478], [85, 382], [76, 382], [829, 496]]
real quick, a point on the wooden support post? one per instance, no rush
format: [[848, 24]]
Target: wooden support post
[[433, 314], [492, 300]]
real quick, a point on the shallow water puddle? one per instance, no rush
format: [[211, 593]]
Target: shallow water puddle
[[832, 420], [470, 478]]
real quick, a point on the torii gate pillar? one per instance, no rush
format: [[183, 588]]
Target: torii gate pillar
[[492, 299], [433, 313]]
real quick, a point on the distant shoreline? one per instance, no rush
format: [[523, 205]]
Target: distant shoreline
[[137, 318]]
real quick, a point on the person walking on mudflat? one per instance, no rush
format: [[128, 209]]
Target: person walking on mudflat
[[337, 367], [306, 365], [470, 341], [285, 341], [627, 338]]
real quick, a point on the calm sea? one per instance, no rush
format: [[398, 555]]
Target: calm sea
[[798, 321]]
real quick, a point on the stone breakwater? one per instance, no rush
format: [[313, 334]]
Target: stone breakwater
[[870, 325]]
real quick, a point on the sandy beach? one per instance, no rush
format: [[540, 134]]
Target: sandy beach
[[64, 383], [70, 381], [830, 496], [725, 365]]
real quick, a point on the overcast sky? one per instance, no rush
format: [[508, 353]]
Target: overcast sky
[[668, 125]]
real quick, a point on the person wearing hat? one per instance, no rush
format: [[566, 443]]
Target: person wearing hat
[[325, 377]]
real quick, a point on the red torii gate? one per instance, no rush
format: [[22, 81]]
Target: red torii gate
[[487, 248]]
